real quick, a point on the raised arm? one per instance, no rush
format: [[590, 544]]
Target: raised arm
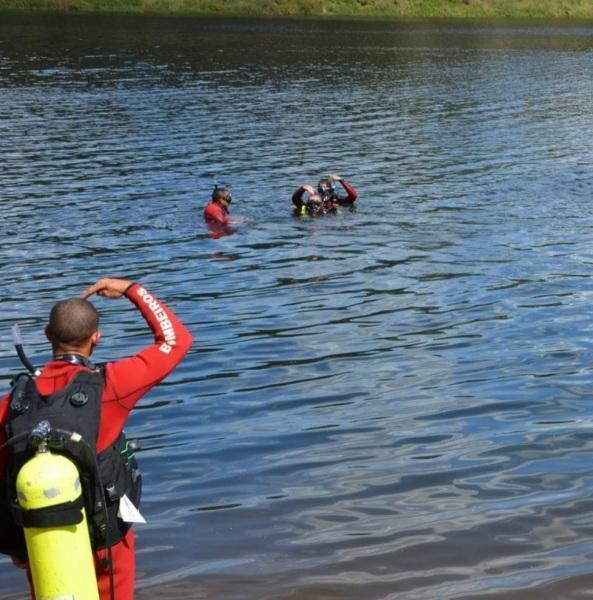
[[352, 194], [128, 379], [297, 197]]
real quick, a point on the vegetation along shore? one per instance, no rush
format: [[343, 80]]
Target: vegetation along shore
[[576, 9]]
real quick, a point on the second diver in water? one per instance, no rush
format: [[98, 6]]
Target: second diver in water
[[325, 199]]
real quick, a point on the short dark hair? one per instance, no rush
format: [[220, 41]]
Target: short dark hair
[[72, 321], [221, 193]]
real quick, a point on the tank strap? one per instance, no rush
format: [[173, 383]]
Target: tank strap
[[59, 515]]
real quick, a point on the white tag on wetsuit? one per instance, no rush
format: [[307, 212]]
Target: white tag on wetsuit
[[128, 512]]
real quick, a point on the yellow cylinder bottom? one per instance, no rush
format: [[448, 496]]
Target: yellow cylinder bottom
[[61, 558]]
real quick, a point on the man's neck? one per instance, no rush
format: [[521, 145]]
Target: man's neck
[[74, 359], [76, 351]]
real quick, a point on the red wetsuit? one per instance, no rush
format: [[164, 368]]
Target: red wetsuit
[[352, 195], [126, 381], [217, 219], [216, 214]]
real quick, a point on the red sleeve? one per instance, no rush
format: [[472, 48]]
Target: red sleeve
[[297, 197], [4, 454], [127, 380], [352, 193], [215, 213]]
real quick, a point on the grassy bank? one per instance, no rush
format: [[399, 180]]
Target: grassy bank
[[580, 9]]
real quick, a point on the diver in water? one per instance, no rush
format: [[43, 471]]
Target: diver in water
[[324, 200], [216, 212]]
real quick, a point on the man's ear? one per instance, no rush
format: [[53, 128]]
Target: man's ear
[[48, 333], [95, 337]]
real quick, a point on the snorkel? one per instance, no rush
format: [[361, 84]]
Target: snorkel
[[18, 344]]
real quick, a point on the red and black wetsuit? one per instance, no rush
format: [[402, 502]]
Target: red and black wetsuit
[[126, 381], [348, 200]]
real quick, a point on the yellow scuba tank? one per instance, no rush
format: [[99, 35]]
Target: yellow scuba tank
[[60, 555]]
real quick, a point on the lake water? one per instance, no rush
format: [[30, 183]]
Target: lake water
[[389, 403]]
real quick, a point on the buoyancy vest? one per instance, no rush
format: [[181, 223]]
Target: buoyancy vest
[[105, 477]]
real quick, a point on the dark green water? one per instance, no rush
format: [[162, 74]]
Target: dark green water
[[390, 403]]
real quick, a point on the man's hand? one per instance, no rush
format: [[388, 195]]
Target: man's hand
[[335, 177], [309, 188], [108, 288]]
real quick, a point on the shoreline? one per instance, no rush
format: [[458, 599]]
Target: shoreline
[[504, 10]]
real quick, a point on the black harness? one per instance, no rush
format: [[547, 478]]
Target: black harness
[[106, 477]]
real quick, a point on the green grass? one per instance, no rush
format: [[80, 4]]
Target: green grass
[[581, 9]]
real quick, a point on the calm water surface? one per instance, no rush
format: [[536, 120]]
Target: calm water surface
[[390, 403]]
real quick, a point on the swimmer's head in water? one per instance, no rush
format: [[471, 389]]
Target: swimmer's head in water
[[326, 188], [221, 193], [314, 204]]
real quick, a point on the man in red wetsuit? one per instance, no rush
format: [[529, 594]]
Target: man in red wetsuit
[[125, 382], [216, 212], [325, 199]]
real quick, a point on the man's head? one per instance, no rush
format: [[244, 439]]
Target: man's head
[[73, 326], [325, 187], [222, 196], [314, 204]]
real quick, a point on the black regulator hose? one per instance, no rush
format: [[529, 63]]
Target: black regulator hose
[[14, 440], [18, 344]]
